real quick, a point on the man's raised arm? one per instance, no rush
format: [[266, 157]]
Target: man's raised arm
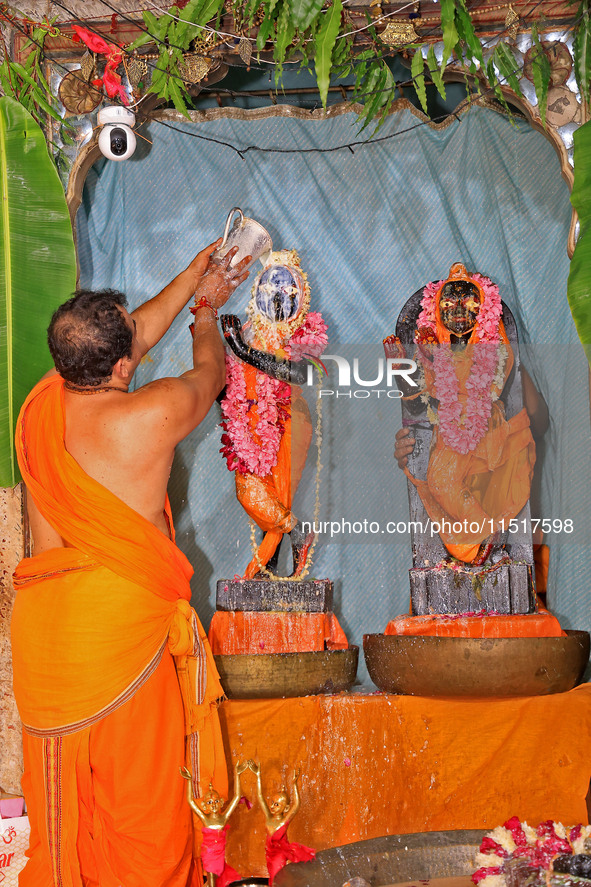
[[155, 316], [185, 401]]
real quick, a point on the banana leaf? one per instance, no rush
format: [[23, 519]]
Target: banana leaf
[[37, 266], [579, 278]]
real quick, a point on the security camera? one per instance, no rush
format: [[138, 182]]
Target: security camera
[[117, 138]]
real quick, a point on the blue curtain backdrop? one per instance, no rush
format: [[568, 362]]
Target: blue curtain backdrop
[[371, 227]]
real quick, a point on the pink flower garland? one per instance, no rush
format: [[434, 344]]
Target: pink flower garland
[[463, 427], [239, 447], [518, 840]]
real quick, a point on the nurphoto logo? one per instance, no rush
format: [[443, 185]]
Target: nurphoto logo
[[388, 371]]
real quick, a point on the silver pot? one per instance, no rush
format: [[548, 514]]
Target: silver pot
[[248, 235]]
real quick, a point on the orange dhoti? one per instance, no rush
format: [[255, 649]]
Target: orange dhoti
[[108, 721], [267, 500]]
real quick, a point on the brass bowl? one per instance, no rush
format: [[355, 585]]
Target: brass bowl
[[391, 859], [271, 675], [431, 666]]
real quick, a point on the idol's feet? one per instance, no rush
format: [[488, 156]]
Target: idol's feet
[[300, 547], [486, 549]]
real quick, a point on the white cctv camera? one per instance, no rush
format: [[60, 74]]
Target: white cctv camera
[[117, 138]]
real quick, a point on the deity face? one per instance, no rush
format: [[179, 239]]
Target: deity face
[[459, 304], [278, 804], [277, 295], [211, 803]]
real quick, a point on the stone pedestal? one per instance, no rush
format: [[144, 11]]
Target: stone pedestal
[[502, 588], [263, 595]]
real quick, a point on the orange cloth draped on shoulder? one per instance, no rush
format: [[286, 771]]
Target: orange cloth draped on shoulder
[[485, 486], [92, 623], [267, 500]]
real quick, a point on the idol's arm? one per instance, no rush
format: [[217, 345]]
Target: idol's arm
[[265, 361]]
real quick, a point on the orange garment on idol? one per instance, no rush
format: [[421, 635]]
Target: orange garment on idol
[[267, 500], [104, 711], [486, 485]]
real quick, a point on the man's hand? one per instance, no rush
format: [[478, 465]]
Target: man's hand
[[199, 264], [219, 280], [403, 447]]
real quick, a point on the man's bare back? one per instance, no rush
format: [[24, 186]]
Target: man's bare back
[[126, 440]]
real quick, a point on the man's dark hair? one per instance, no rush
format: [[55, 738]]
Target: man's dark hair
[[88, 335]]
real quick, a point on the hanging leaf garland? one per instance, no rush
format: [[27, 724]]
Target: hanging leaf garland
[[318, 32]]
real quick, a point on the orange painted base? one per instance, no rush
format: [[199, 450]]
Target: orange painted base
[[536, 625], [237, 631]]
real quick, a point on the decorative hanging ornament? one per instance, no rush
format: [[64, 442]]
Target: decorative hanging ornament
[[399, 34], [136, 69], [77, 95], [87, 64], [245, 50], [194, 68], [512, 23]]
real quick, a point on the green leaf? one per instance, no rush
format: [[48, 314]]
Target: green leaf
[[158, 27], [38, 96], [435, 72], [417, 72], [491, 76], [7, 86], [379, 103], [541, 73], [468, 34], [323, 47], [303, 12], [140, 41], [579, 278], [582, 50], [508, 66], [37, 265], [177, 97], [266, 29], [285, 34], [448, 27]]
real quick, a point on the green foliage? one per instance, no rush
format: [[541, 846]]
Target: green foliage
[[326, 36], [417, 71], [507, 65], [27, 84], [374, 89], [582, 50], [435, 72], [541, 73], [579, 278], [448, 26], [318, 32], [304, 12], [37, 265]]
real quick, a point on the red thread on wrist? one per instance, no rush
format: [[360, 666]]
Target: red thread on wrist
[[203, 303]]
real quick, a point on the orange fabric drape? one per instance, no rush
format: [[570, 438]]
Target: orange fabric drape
[[377, 764], [267, 500], [238, 631], [535, 625], [91, 621], [485, 486]]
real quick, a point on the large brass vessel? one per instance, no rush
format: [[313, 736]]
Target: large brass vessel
[[431, 666], [271, 675]]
